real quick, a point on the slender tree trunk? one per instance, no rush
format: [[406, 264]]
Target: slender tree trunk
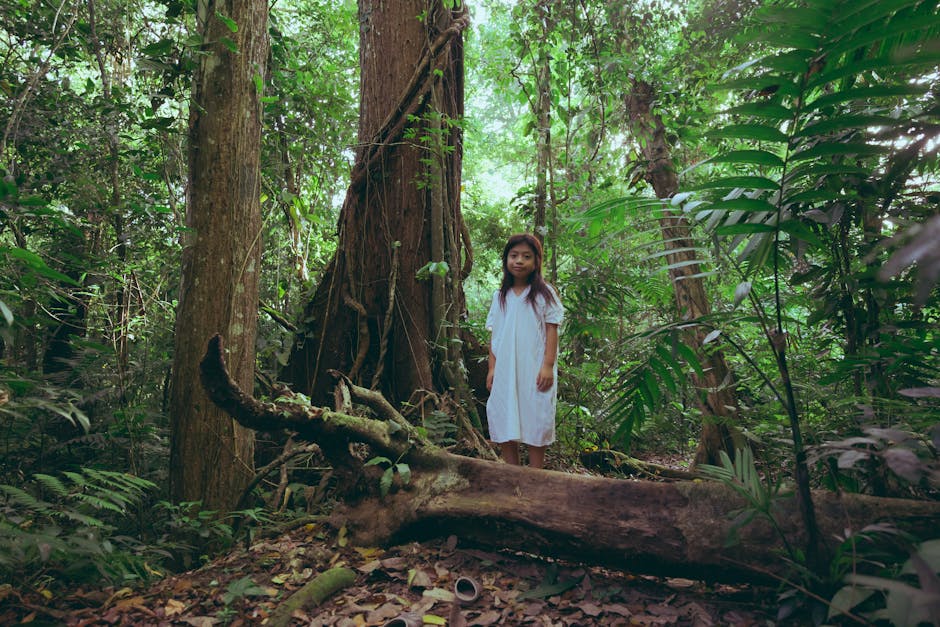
[[719, 404], [211, 455], [121, 318], [385, 311], [543, 117]]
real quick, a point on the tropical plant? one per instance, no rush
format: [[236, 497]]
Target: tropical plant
[[69, 529]]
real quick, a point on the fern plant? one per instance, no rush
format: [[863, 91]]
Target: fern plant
[[67, 528], [742, 476], [645, 388]]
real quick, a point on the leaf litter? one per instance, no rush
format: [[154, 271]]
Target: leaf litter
[[413, 581]]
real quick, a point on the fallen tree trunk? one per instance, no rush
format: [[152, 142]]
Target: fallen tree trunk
[[676, 528]]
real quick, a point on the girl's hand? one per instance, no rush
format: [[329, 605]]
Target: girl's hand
[[545, 379], [489, 380]]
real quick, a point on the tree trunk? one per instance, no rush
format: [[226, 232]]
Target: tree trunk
[[676, 528], [211, 456], [386, 310], [543, 118], [720, 403]]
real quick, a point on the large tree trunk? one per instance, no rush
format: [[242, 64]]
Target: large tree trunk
[[651, 527], [381, 313], [719, 403], [211, 456]]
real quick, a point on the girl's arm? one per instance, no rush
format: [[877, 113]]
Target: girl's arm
[[489, 375], [546, 375]]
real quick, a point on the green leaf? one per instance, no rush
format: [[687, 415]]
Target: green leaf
[[866, 94], [35, 262], [385, 483], [229, 44], [797, 229], [765, 84], [847, 122], [739, 182], [753, 132], [791, 17], [158, 49], [743, 228], [669, 359], [646, 394], [671, 251], [743, 204], [229, 22], [897, 26], [664, 374], [404, 471], [788, 37], [792, 61], [855, 15], [752, 157], [830, 149], [817, 170], [690, 357], [51, 483], [846, 598], [766, 110], [893, 62], [7, 313], [378, 460], [814, 196]]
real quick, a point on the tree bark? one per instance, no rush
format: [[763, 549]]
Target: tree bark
[[676, 528], [379, 315], [719, 403], [211, 456]]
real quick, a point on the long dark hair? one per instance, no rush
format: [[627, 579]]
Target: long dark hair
[[537, 285]]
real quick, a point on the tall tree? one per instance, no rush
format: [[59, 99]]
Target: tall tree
[[386, 311], [719, 404], [211, 456]]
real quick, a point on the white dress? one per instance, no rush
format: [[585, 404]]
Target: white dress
[[516, 411]]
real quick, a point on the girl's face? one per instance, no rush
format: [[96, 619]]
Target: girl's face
[[521, 262]]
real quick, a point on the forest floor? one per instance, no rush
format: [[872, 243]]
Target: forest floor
[[414, 582]]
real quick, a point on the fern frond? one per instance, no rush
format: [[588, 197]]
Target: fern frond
[[26, 500], [52, 484]]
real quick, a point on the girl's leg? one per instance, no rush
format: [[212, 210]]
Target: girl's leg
[[509, 451], [537, 456]]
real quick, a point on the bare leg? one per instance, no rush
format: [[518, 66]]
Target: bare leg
[[509, 451], [537, 456]]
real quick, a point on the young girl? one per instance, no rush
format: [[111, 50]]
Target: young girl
[[523, 319]]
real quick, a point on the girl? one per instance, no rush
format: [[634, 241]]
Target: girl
[[523, 320]]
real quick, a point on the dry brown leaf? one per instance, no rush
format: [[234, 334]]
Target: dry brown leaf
[[590, 608], [619, 609], [368, 567], [535, 608], [485, 619], [174, 607], [678, 583], [394, 563], [420, 579], [663, 610], [135, 602], [201, 621], [383, 613], [439, 594]]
